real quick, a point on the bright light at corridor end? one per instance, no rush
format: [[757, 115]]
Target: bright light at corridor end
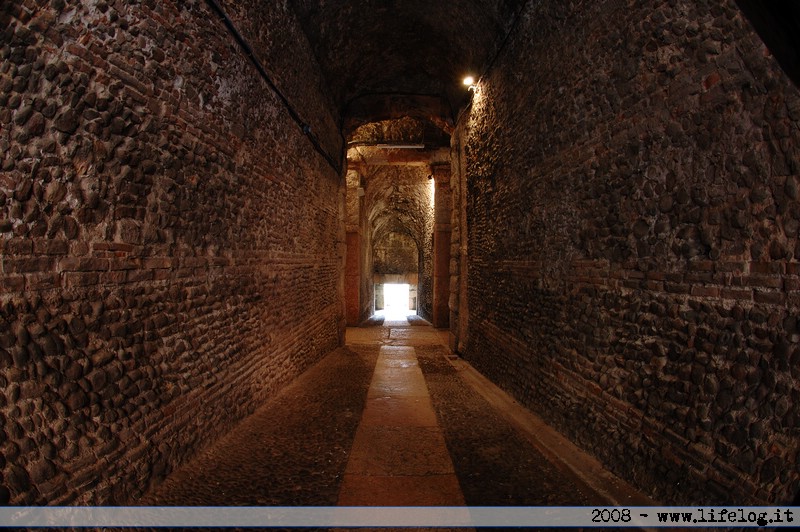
[[469, 81]]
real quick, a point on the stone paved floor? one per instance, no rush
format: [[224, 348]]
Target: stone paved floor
[[392, 419], [292, 451], [399, 456]]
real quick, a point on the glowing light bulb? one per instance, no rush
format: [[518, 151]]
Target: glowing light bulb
[[469, 80]]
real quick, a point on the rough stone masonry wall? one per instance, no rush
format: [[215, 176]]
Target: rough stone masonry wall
[[634, 275], [396, 254], [168, 237]]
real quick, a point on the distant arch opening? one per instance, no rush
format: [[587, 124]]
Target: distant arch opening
[[398, 300], [395, 258], [395, 184]]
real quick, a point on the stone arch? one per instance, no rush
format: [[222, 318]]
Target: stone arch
[[395, 253]]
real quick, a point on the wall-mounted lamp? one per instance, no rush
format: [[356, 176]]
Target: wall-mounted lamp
[[469, 81]]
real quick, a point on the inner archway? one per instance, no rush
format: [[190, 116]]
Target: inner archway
[[397, 209]]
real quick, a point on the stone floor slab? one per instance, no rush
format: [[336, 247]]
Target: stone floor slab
[[412, 490], [414, 336], [397, 362], [399, 411], [393, 451], [413, 387], [398, 351], [369, 336]]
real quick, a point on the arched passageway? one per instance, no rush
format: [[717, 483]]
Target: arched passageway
[[395, 212]]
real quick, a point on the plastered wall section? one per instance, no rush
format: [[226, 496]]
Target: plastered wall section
[[631, 174], [171, 242]]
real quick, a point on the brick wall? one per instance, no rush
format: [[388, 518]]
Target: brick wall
[[632, 174], [168, 236]]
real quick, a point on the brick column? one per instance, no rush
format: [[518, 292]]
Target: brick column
[[352, 279], [441, 246]]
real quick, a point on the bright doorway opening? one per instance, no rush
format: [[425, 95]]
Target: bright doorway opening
[[395, 297], [396, 300]]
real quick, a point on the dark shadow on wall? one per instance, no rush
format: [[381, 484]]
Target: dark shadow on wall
[[778, 24]]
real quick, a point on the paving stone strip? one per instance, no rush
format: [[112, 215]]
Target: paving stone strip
[[399, 457]]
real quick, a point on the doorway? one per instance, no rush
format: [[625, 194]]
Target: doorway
[[395, 300]]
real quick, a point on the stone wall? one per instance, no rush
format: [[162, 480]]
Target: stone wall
[[443, 211], [632, 173], [458, 301], [359, 289], [395, 253], [171, 241]]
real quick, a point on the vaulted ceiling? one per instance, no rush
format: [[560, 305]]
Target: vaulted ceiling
[[392, 58]]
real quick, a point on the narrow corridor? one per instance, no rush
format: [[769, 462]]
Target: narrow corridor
[[392, 419], [596, 205]]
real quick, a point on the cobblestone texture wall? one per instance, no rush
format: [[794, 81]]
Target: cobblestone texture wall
[[169, 240], [634, 275], [396, 253]]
